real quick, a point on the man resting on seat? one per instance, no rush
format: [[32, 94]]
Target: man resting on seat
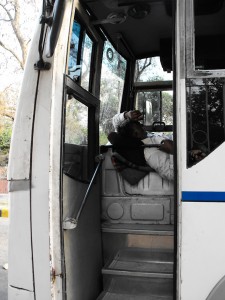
[[159, 158], [129, 143]]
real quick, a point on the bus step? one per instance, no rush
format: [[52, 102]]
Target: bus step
[[160, 229], [121, 236], [139, 274], [138, 288], [138, 262], [115, 296]]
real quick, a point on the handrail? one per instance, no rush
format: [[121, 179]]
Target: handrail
[[72, 222], [104, 148]]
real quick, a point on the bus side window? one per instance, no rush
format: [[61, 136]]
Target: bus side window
[[205, 114], [80, 58], [209, 35], [75, 162], [157, 106], [205, 82], [154, 95]]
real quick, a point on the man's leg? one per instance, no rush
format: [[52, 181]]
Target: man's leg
[[161, 162]]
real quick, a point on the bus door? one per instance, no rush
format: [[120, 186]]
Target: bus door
[[79, 188], [201, 147]]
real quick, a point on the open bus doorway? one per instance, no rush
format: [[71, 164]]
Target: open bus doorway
[[123, 243]]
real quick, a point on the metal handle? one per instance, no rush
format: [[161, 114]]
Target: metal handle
[[71, 222]]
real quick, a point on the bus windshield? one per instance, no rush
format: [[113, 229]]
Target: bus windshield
[[112, 83]]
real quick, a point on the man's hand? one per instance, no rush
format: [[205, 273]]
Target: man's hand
[[166, 146], [135, 115], [197, 155]]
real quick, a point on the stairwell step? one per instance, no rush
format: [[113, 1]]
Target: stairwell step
[[141, 263], [138, 229], [115, 296], [139, 288], [153, 274], [120, 236]]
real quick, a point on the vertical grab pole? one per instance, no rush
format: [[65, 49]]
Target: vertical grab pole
[[72, 222]]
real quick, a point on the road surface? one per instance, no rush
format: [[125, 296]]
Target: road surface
[[4, 225]]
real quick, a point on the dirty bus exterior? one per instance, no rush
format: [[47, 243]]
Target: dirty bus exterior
[[79, 229]]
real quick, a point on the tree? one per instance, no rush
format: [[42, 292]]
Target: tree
[[16, 18], [141, 66], [205, 113]]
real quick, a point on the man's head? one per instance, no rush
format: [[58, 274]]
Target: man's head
[[132, 129]]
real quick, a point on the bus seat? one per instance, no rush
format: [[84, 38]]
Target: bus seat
[[149, 201], [149, 183], [130, 172]]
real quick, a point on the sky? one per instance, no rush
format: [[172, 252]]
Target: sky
[[10, 71]]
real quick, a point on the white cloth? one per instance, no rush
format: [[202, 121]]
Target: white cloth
[[118, 119], [160, 161]]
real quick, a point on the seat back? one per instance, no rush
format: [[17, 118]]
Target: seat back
[[149, 201]]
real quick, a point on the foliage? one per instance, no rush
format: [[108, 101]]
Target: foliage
[[103, 138], [205, 112], [6, 121], [5, 137], [141, 66], [16, 18], [167, 108], [76, 122]]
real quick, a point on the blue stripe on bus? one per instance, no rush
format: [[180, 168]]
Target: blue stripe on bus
[[203, 196]]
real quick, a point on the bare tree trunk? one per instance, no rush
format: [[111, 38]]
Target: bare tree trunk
[[12, 11]]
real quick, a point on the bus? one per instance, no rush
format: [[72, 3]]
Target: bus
[[81, 227]]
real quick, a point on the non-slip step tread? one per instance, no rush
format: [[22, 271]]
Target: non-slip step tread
[[115, 296], [142, 263], [138, 228], [143, 254], [140, 287]]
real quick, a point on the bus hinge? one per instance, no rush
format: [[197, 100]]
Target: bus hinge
[[42, 65], [54, 275]]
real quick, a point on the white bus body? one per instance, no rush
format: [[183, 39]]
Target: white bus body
[[52, 257]]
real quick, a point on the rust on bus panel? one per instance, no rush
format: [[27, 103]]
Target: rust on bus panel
[[54, 275]]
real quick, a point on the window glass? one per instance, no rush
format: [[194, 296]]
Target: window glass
[[76, 122], [74, 66], [157, 106], [209, 34], [80, 57], [112, 83], [205, 114], [150, 69], [86, 62], [76, 140]]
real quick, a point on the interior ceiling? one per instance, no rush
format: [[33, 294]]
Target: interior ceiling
[[139, 25]]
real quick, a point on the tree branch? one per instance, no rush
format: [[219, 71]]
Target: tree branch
[[8, 116], [15, 23], [141, 67], [7, 11], [13, 53]]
